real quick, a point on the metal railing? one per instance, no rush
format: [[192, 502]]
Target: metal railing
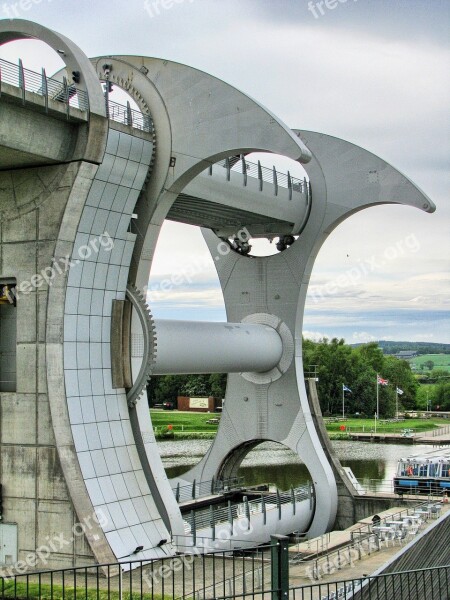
[[261, 572], [200, 489], [128, 116], [432, 584], [214, 515], [68, 94], [381, 486], [435, 432], [195, 576], [239, 164], [420, 507], [30, 81], [363, 542]]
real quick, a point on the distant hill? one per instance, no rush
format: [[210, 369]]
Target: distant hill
[[419, 347]]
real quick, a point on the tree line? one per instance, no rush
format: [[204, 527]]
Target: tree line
[[337, 364]]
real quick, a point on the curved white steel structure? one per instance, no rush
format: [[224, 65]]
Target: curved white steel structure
[[90, 352]]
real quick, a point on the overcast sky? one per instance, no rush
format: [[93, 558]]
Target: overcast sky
[[374, 72]]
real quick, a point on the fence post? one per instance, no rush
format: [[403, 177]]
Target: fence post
[[22, 80], [279, 567], [244, 169], [279, 504], [275, 181], [289, 180], [45, 89], [230, 516], [247, 511], [193, 528]]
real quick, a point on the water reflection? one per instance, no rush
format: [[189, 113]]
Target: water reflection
[[273, 463]]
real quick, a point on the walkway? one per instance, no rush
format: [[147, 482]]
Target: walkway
[[301, 574]]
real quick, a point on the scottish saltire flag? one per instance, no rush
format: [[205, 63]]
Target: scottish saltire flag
[[346, 389], [382, 381], [399, 391]]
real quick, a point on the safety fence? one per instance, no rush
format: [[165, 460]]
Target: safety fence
[[200, 489], [196, 576], [67, 93], [261, 572], [432, 584], [239, 164], [215, 515]]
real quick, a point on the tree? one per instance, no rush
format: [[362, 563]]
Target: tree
[[218, 385], [399, 374], [429, 364], [443, 395], [357, 368], [373, 355], [165, 388]]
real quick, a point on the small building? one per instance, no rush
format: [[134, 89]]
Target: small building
[[209, 404], [405, 354]]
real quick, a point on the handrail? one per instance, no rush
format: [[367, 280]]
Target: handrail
[[366, 529], [69, 94], [263, 174], [42, 85], [194, 490], [212, 516]]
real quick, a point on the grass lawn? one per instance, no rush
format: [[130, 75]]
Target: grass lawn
[[45, 592], [183, 421], [360, 425], [441, 361], [196, 422]]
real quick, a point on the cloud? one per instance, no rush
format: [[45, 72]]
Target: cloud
[[374, 73]]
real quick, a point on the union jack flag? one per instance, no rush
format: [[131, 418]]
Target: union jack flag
[[382, 381]]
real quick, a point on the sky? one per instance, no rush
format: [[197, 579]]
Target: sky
[[373, 72]]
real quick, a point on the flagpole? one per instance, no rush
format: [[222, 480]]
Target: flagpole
[[343, 405], [377, 416], [396, 402]]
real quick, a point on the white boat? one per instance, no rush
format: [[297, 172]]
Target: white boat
[[427, 473]]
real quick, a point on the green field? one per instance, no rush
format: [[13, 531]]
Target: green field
[[441, 361], [188, 422], [182, 422], [32, 591]]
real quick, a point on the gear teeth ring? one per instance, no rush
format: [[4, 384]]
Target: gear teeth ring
[[149, 331]]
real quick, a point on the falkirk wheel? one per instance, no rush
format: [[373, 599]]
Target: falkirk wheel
[[85, 186]]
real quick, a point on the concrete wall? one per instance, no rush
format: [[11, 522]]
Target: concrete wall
[[34, 491]]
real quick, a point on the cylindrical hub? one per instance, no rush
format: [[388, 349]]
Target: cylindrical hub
[[191, 347]]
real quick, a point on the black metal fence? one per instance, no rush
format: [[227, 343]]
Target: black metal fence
[[421, 584], [261, 572]]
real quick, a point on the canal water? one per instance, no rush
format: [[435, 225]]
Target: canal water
[[373, 464]]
